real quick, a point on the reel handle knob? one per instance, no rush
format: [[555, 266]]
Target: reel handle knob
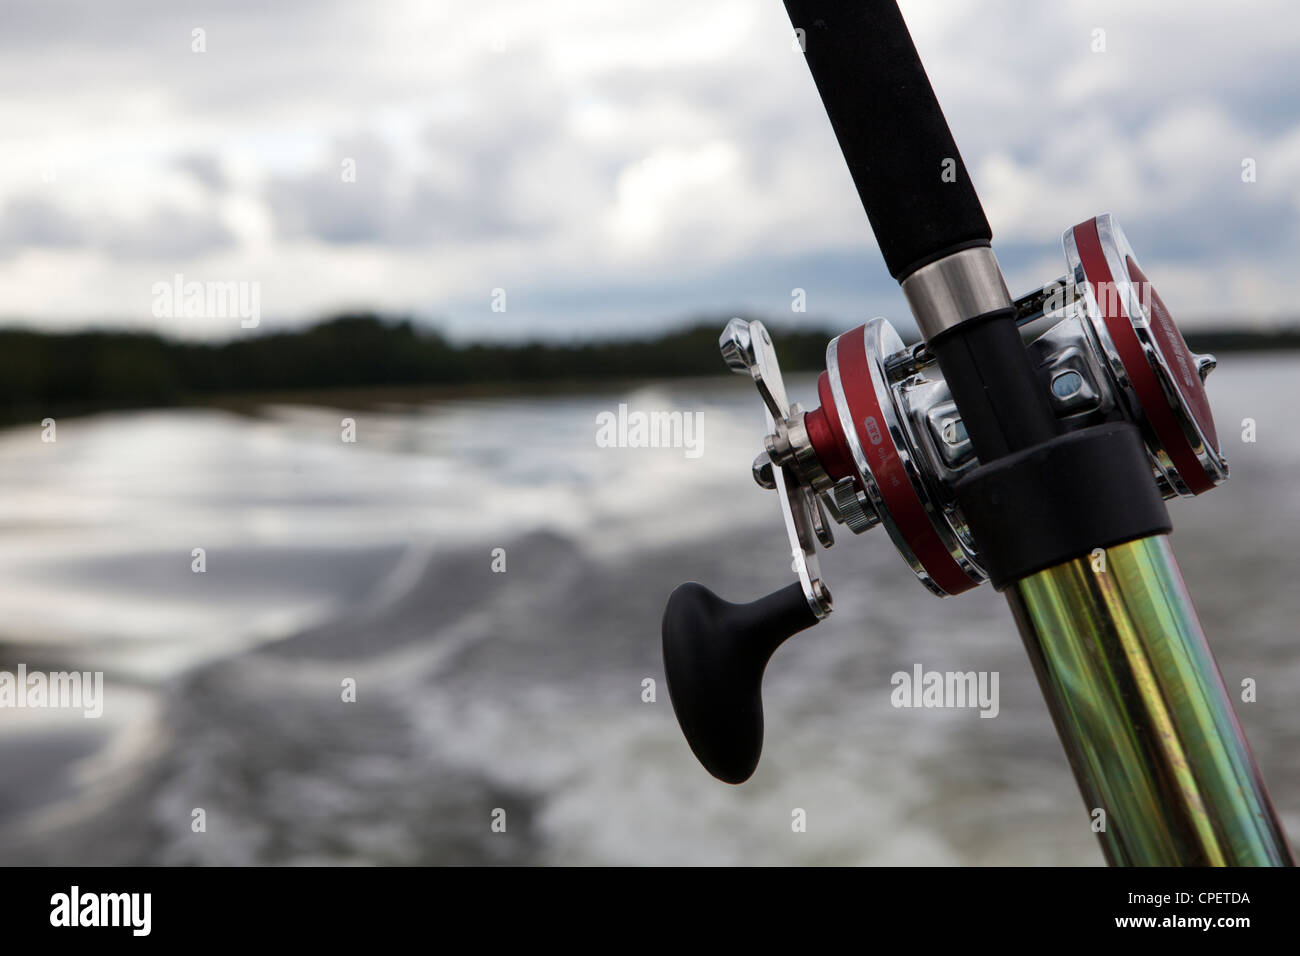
[[715, 653]]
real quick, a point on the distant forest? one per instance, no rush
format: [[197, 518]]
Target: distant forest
[[71, 373]]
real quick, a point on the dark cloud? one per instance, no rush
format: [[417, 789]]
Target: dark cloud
[[206, 169], [39, 223], [390, 204], [465, 178], [164, 233], [841, 286]]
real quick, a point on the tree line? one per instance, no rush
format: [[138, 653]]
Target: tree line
[[48, 373]]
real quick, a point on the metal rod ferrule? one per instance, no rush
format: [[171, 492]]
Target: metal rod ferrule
[[958, 287]]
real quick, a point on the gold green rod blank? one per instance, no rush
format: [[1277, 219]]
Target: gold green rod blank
[[1143, 713]]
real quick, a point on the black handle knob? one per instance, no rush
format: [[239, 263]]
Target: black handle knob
[[715, 653]]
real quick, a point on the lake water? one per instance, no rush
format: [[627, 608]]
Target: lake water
[[521, 691]]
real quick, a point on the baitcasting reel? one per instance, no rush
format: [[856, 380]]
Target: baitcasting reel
[[887, 446]]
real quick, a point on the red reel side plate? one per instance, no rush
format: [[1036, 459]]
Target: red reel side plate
[[1156, 371], [884, 465]]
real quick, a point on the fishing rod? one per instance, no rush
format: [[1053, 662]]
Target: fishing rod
[[1042, 468]]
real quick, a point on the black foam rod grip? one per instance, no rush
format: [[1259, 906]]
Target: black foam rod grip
[[900, 152]]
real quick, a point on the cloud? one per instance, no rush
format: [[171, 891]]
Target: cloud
[[162, 233], [614, 167]]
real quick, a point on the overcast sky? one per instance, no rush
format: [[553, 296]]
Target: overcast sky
[[611, 166]]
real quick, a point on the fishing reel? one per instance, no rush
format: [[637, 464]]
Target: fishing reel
[[887, 446]]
